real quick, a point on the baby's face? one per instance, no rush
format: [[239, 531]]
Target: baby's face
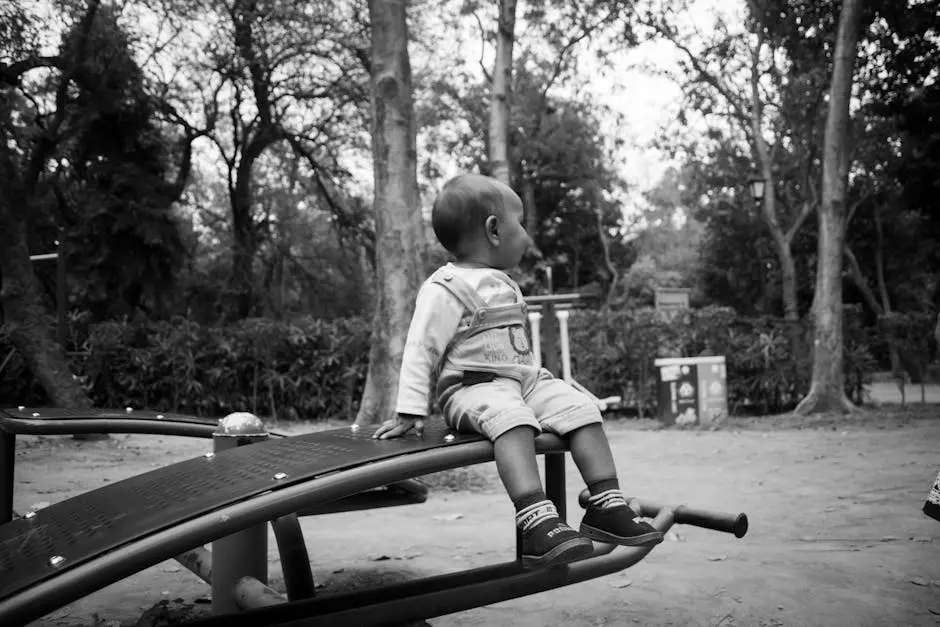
[[513, 239]]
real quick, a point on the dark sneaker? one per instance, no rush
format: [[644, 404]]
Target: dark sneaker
[[551, 542], [618, 525]]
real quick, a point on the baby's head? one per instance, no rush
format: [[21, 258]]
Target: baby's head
[[478, 219]]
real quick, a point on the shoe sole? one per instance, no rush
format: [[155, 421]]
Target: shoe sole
[[651, 538], [573, 550]]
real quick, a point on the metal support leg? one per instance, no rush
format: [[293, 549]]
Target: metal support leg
[[295, 563], [251, 594], [555, 481], [7, 462], [199, 562], [243, 554]]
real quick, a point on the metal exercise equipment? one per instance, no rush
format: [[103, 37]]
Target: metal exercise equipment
[[555, 309], [59, 554]]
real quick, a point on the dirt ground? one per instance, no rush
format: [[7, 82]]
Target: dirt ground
[[837, 534]]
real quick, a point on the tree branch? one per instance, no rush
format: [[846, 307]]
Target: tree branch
[[855, 271], [486, 74], [703, 74], [342, 215], [805, 211], [12, 73]]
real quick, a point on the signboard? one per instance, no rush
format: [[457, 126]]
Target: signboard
[[669, 300], [692, 390]]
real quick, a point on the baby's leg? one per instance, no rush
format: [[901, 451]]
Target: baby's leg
[[514, 451], [591, 450], [496, 410], [565, 411]]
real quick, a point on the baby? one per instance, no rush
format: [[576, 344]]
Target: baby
[[468, 351]]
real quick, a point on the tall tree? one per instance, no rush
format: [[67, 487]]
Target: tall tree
[[761, 109], [399, 225], [25, 154], [827, 389], [500, 96], [276, 73]]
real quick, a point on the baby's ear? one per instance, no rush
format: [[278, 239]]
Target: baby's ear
[[491, 226]]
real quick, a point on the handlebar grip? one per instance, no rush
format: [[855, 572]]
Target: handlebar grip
[[736, 524]]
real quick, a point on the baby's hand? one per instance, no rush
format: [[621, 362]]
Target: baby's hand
[[399, 426]]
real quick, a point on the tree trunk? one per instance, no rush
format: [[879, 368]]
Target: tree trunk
[[501, 90], [244, 236], [20, 293], [531, 217], [608, 261], [879, 309], [791, 311], [895, 357], [827, 390], [399, 225], [27, 318]]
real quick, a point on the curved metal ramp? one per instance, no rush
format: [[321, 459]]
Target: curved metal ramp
[[67, 535], [80, 528], [75, 547]]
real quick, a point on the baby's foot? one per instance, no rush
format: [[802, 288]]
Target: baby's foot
[[618, 524], [548, 541]]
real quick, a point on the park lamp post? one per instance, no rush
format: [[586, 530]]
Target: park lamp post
[[757, 185]]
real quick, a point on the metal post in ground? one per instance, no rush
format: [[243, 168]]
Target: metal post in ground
[[550, 341], [242, 554], [61, 296], [562, 316], [555, 481], [535, 324], [7, 466]]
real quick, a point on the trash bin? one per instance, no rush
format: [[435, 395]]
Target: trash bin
[[692, 390], [932, 505]]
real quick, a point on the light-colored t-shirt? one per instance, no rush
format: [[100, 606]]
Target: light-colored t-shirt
[[438, 316]]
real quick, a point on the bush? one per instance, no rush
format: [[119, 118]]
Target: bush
[[768, 361], [304, 369], [910, 333], [315, 369]]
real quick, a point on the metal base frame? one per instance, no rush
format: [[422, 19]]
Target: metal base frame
[[439, 595]]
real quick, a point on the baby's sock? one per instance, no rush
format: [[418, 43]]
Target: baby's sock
[[606, 493], [532, 509]]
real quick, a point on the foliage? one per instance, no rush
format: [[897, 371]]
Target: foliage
[[911, 333], [787, 46], [302, 369], [314, 369], [566, 163], [613, 353], [276, 77], [97, 168]]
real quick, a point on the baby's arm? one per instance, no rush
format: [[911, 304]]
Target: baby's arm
[[436, 318]]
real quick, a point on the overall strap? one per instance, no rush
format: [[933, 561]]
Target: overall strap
[[483, 317], [460, 289]]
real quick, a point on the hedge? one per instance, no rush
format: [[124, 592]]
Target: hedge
[[768, 360], [315, 369]]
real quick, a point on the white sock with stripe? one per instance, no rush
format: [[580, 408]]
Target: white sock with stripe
[[529, 517], [607, 498]]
